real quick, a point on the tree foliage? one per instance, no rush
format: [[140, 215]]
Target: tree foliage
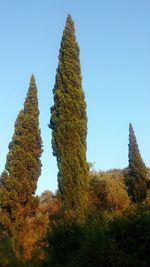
[[137, 175], [120, 241], [69, 124], [107, 192], [23, 165]]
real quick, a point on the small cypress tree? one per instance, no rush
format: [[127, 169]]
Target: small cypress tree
[[137, 174], [69, 124], [23, 165]]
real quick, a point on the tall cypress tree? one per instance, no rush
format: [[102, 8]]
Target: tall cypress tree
[[137, 175], [69, 124], [23, 165]]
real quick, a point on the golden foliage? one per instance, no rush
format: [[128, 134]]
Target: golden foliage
[[29, 239], [108, 192]]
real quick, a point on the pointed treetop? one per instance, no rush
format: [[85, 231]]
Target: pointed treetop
[[137, 175], [130, 127], [32, 79], [31, 101], [69, 18], [69, 23], [134, 153], [132, 139], [131, 132], [32, 84], [132, 136]]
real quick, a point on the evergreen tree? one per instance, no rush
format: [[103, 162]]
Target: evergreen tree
[[69, 124], [137, 175], [23, 165]]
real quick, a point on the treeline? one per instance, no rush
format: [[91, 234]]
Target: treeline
[[95, 218]]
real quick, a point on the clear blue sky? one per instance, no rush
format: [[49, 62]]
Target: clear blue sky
[[114, 40]]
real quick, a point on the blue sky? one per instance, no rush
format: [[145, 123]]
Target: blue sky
[[114, 40]]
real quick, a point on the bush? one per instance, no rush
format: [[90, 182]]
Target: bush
[[132, 236], [64, 241], [98, 248], [108, 192]]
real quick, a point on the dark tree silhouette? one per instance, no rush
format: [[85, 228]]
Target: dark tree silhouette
[[137, 176]]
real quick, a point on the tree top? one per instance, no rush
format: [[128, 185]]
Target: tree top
[[32, 79]]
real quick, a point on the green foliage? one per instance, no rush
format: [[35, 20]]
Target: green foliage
[[7, 255], [98, 249], [131, 234], [23, 167], [23, 160], [6, 251], [121, 241], [64, 240], [107, 192], [69, 125], [136, 179]]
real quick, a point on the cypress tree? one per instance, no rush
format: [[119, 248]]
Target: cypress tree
[[23, 165], [137, 174], [69, 124]]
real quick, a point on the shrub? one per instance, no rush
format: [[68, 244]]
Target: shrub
[[108, 192]]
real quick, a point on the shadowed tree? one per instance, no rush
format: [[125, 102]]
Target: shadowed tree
[[137, 176], [69, 124], [23, 165]]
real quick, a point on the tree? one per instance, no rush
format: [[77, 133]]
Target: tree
[[107, 192], [69, 124], [137, 174], [23, 165]]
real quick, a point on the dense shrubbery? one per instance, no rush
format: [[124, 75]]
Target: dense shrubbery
[[120, 241], [115, 232], [108, 192]]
